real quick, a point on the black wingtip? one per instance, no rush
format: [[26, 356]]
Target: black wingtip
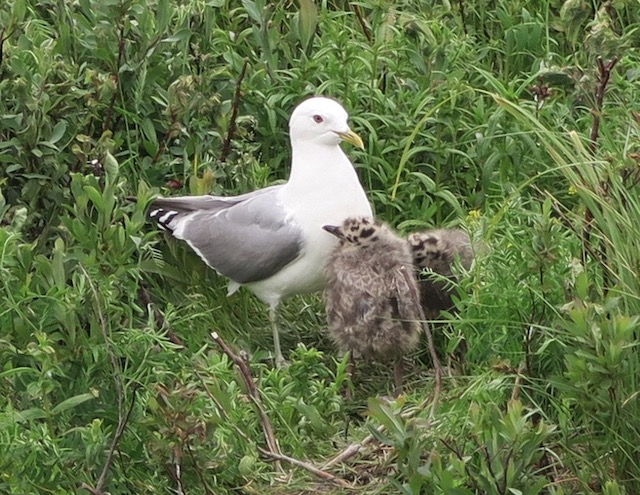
[[162, 217]]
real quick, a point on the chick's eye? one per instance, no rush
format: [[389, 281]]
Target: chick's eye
[[318, 119]]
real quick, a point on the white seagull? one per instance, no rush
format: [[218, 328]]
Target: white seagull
[[271, 240]]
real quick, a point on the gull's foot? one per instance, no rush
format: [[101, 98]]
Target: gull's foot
[[281, 362]]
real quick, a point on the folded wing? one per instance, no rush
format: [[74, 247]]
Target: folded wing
[[246, 238]]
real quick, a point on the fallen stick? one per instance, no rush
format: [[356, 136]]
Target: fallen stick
[[123, 414], [254, 394], [279, 457], [351, 450], [356, 447], [320, 473]]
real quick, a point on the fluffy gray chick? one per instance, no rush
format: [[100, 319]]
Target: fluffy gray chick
[[372, 298], [436, 250]]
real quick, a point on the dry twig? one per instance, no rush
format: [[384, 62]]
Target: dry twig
[[309, 467], [604, 74], [437, 368], [123, 416], [356, 447], [517, 385], [254, 393], [4, 37], [277, 456], [363, 23], [351, 450], [231, 131]]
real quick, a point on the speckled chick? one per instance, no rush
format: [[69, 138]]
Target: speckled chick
[[436, 250], [372, 298]]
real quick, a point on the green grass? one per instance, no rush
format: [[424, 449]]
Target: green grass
[[473, 113]]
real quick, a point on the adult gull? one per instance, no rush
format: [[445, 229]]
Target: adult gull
[[271, 240]]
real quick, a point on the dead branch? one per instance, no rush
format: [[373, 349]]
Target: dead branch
[[4, 38], [273, 451], [231, 131], [305, 465], [207, 488], [351, 450], [604, 74], [356, 447], [433, 400], [363, 23], [123, 416], [437, 367], [175, 471], [460, 455], [276, 456], [254, 393]]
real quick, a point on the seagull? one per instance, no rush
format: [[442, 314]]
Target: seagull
[[271, 240], [372, 297], [435, 251]]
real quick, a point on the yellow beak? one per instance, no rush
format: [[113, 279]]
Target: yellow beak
[[351, 137]]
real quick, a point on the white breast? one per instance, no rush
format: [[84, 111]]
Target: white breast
[[324, 195]]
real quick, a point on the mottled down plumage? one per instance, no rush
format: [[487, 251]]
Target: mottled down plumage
[[372, 298], [436, 250]]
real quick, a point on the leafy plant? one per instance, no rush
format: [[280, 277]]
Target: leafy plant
[[516, 120]]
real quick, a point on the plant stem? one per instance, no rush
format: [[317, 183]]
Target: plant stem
[[231, 131]]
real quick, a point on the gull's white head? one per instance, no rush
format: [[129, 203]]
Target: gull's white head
[[323, 121]]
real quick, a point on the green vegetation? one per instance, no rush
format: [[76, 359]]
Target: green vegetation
[[520, 120]]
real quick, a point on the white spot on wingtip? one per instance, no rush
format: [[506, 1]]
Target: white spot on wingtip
[[167, 216]]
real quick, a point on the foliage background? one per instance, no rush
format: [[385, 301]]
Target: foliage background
[[493, 115]]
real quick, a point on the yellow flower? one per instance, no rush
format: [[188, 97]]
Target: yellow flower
[[474, 215]]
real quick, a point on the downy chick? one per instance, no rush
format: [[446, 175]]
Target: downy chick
[[372, 298], [436, 250]]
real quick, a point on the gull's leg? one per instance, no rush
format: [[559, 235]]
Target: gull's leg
[[273, 318]]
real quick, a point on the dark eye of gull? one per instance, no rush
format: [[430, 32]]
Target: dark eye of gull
[[318, 119]]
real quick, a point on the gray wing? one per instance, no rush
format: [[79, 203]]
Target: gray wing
[[246, 238]]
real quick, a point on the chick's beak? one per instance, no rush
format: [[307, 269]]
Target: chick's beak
[[332, 229], [351, 137]]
